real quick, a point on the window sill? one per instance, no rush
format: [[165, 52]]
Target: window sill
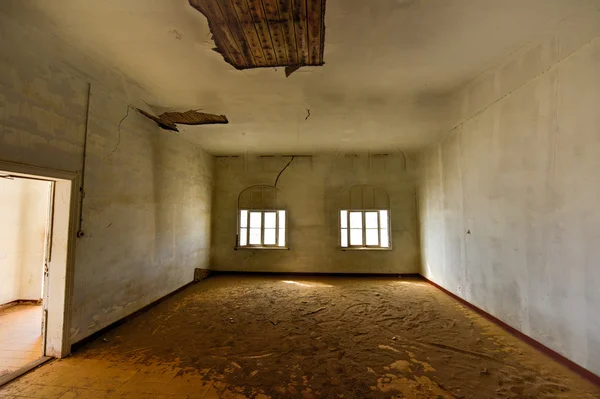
[[263, 248], [365, 249]]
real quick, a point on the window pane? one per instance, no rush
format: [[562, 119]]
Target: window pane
[[269, 236], [383, 219], [281, 242], [344, 219], [255, 220], [344, 238], [355, 220], [254, 235], [372, 236], [270, 220], [371, 220], [243, 218], [356, 236], [243, 237], [385, 238], [281, 219]]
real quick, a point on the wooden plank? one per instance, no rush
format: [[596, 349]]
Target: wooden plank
[[262, 28], [236, 30], [322, 45], [222, 35], [299, 16], [247, 25], [314, 23], [287, 26], [275, 22]]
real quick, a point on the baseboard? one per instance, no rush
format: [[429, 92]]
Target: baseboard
[[21, 302], [82, 342], [315, 274], [574, 367]]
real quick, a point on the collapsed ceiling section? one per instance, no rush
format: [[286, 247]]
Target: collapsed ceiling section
[[169, 120], [267, 33]]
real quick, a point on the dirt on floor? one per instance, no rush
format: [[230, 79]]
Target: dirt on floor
[[285, 337]]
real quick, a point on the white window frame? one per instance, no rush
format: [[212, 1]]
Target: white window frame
[[275, 246], [364, 245]]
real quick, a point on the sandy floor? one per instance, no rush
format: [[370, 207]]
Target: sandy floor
[[20, 336], [260, 337]]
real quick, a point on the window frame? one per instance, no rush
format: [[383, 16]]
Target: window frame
[[275, 246], [364, 246]]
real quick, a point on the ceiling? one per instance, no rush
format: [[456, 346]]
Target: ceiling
[[389, 67]]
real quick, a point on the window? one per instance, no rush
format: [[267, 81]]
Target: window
[[262, 228], [364, 229], [364, 218], [262, 219]]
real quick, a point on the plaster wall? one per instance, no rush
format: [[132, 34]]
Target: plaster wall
[[310, 189], [508, 201], [146, 213], [24, 214]]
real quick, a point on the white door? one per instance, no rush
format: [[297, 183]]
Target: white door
[[47, 259]]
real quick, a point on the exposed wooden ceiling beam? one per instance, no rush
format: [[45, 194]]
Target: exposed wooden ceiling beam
[[267, 33]]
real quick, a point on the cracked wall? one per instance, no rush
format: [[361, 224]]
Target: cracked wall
[[146, 214], [310, 188]]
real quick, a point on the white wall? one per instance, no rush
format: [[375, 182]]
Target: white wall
[[310, 189], [147, 191], [509, 199], [23, 212]]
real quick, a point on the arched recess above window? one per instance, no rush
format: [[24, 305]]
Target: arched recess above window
[[259, 197], [365, 218], [262, 219], [364, 196]]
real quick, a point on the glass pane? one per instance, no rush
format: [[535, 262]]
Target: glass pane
[[372, 236], [255, 236], [281, 219], [371, 220], [356, 236], [281, 242], [243, 237], [270, 236], [344, 219], [383, 219], [385, 238], [255, 220], [344, 238], [270, 220], [355, 220], [243, 218]]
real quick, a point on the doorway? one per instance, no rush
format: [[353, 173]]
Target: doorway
[[24, 233], [38, 209]]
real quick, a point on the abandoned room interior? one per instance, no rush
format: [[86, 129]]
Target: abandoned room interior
[[262, 199]]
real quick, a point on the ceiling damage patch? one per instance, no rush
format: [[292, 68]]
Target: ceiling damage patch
[[170, 120], [267, 33]]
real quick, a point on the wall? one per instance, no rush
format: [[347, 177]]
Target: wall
[[508, 201], [24, 214], [146, 215], [309, 188]]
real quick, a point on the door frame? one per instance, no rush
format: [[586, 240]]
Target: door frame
[[62, 252]]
